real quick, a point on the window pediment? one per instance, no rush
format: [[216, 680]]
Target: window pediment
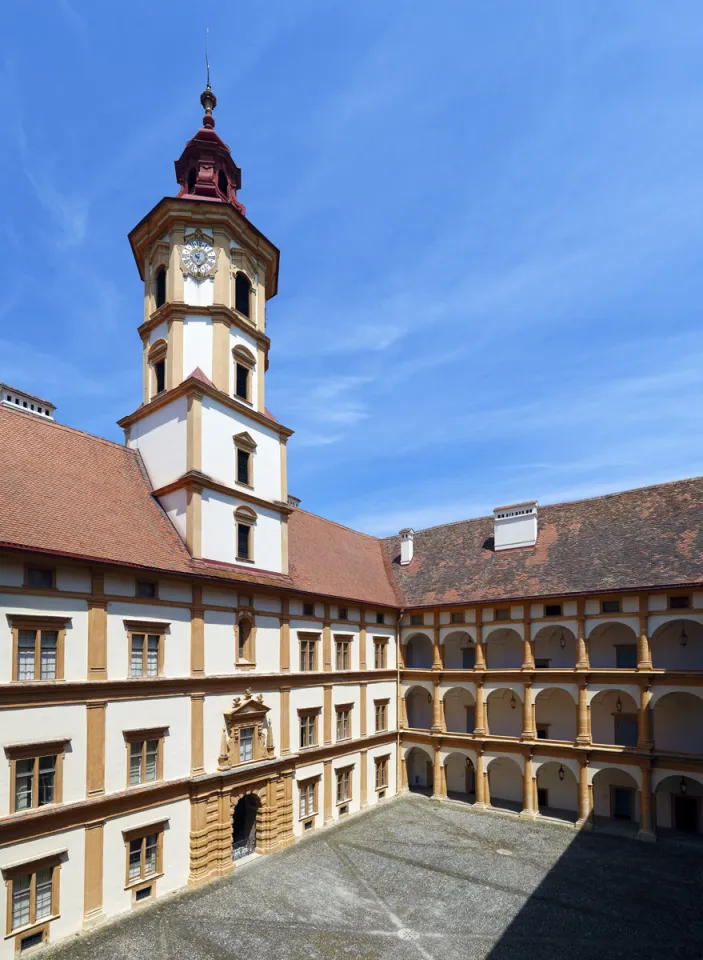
[[245, 440], [247, 736]]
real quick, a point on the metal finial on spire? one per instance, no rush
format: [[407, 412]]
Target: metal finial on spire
[[207, 61], [207, 97]]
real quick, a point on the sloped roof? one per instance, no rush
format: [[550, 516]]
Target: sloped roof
[[649, 537]]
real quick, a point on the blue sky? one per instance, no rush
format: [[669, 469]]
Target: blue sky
[[490, 217]]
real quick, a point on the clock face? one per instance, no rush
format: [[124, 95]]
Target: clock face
[[198, 257]]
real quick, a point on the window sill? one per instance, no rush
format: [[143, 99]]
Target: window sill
[[341, 803], [382, 788], [54, 680], [381, 730], [343, 739], [243, 483], [244, 560], [310, 746], [144, 783], [245, 665], [308, 816], [144, 881], [31, 927]]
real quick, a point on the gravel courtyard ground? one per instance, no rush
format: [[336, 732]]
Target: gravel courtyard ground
[[419, 881]]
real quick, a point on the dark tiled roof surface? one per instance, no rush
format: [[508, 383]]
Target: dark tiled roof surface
[[652, 536]]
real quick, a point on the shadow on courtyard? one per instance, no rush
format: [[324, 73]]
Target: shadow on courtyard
[[610, 897]]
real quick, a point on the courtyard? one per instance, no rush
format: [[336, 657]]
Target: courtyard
[[416, 880]]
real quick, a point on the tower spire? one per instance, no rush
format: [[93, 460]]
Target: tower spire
[[207, 97]]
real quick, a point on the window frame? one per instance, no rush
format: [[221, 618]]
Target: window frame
[[617, 609], [244, 517], [343, 721], [380, 617], [161, 271], [158, 353], [679, 606], [631, 648], [250, 291], [244, 359], [39, 624], [30, 869], [44, 568], [243, 443], [141, 582], [247, 660], [343, 645], [380, 653], [381, 763], [381, 707], [146, 629], [556, 608], [457, 616], [141, 833], [308, 638], [499, 614], [305, 715], [308, 608], [344, 777], [144, 737], [35, 751], [417, 620], [311, 783]]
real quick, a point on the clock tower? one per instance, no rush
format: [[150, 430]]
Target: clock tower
[[215, 456]]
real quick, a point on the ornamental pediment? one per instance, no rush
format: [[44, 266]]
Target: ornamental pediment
[[248, 735]]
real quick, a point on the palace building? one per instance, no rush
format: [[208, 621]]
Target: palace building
[[194, 669]]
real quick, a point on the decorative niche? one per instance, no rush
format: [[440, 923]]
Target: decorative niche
[[248, 734]]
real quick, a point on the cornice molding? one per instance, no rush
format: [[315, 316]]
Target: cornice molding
[[195, 480], [218, 313]]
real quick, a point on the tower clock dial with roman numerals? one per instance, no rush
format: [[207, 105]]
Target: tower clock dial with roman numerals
[[198, 257]]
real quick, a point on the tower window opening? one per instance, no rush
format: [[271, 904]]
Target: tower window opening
[[160, 375], [160, 294], [242, 294], [222, 182], [191, 179], [243, 541], [243, 464], [242, 385]]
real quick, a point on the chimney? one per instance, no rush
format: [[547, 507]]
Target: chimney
[[293, 501], [406, 545], [27, 402], [515, 526]]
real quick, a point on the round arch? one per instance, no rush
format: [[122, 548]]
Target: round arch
[[459, 710], [460, 774], [245, 816], [418, 708], [678, 644], [555, 646], [504, 712], [555, 714], [677, 722], [419, 769], [418, 651], [458, 650], [614, 718], [503, 648], [557, 790], [615, 795], [505, 781], [678, 802], [612, 644]]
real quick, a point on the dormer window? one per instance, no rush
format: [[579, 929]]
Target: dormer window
[[160, 292], [222, 182], [157, 363], [242, 294], [244, 364]]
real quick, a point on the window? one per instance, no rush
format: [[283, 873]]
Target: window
[[160, 375], [246, 744], [625, 730], [342, 654], [145, 750], [244, 363], [380, 653], [470, 719], [343, 613], [308, 654], [552, 610], [542, 663], [41, 577], [626, 656], [37, 647], [35, 774], [243, 466], [308, 728], [242, 294], [610, 606], [33, 895], [308, 798], [381, 715], [147, 589], [245, 642], [381, 764], [503, 613], [344, 784], [416, 619], [146, 648], [679, 603], [542, 797], [157, 363], [222, 182], [542, 731], [457, 617], [244, 449], [192, 176], [308, 609], [245, 518], [380, 618], [468, 658], [144, 853], [344, 721], [160, 292]]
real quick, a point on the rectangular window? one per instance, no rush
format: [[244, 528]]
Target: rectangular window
[[308, 609], [33, 897], [457, 617], [626, 656], [542, 797], [543, 731], [380, 618], [343, 722], [381, 715], [40, 577], [343, 613], [470, 719], [38, 648], [144, 855], [380, 654], [679, 603], [145, 752], [308, 729], [343, 654], [416, 619], [468, 658], [246, 744], [145, 654], [35, 774], [552, 610], [344, 785], [160, 375], [243, 465], [243, 541], [610, 606], [503, 613], [542, 663], [241, 381], [308, 799], [308, 654], [626, 730], [146, 589], [381, 773]]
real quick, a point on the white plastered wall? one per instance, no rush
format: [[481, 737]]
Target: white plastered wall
[[214, 709], [238, 338], [197, 345], [160, 437], [76, 637], [385, 690], [175, 504], [127, 715], [176, 656], [218, 532]]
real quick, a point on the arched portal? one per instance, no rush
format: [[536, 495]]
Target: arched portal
[[459, 651], [677, 721], [614, 718], [418, 652], [244, 826], [557, 791], [504, 709], [418, 708], [679, 804], [555, 646], [503, 649], [555, 715], [505, 784], [615, 797], [678, 645], [461, 777], [613, 645], [419, 769], [459, 711]]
